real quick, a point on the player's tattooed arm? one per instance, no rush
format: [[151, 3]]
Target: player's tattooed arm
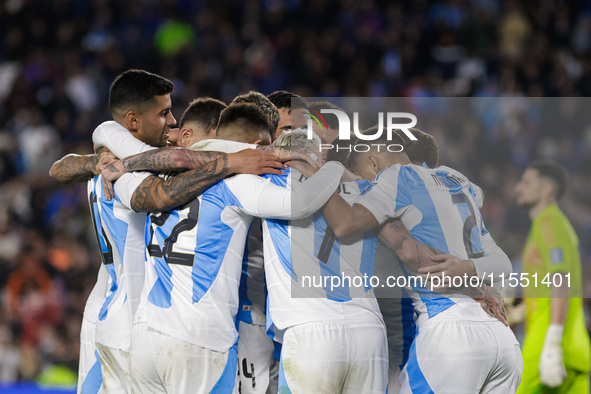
[[165, 159], [306, 154], [490, 300], [157, 194], [348, 222], [412, 253], [74, 168], [415, 255], [248, 161]]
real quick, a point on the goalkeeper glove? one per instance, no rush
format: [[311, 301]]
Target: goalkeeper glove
[[551, 367]]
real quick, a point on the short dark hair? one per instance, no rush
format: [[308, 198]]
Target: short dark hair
[[423, 150], [244, 119], [205, 112], [553, 172], [285, 99], [264, 105], [136, 89], [376, 145], [331, 120]]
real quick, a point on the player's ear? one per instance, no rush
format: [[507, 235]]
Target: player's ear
[[132, 121], [373, 162], [185, 136]]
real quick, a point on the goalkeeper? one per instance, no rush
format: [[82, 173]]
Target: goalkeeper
[[556, 349]]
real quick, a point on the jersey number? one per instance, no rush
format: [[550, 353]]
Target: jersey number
[[326, 245], [184, 225], [469, 224], [103, 241]]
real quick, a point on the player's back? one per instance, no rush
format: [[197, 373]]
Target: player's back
[[195, 264], [440, 209], [304, 261]]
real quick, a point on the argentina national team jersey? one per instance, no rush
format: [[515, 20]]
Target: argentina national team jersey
[[196, 252], [120, 235], [252, 282], [440, 208], [301, 257]]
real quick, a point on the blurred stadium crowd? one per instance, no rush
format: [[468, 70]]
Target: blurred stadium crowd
[[58, 58]]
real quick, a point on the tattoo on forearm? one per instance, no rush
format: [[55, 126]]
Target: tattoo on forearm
[[168, 159], [155, 194], [404, 234], [74, 168], [112, 168]]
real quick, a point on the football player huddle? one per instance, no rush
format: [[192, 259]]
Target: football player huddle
[[209, 234]]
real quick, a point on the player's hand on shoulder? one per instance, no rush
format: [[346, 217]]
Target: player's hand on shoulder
[[103, 157], [111, 172], [447, 265], [255, 161], [309, 155]]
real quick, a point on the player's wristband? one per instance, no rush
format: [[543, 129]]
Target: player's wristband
[[483, 298], [554, 334]]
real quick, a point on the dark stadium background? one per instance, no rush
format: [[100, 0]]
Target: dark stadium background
[[58, 57]]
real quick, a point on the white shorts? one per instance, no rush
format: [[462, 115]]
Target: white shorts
[[459, 356], [331, 357], [115, 369], [393, 379], [90, 378], [164, 364], [255, 357]]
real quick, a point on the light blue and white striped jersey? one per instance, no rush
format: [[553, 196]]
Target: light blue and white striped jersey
[[440, 208], [95, 299], [253, 291], [120, 233], [122, 236], [303, 258], [196, 252]]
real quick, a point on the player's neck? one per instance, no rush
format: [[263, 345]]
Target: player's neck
[[539, 207], [395, 159]]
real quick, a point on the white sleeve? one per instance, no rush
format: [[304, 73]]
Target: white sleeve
[[118, 140], [125, 186], [222, 146], [385, 198], [262, 198], [494, 262]]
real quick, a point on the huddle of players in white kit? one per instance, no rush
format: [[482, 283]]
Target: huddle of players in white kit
[[171, 323]]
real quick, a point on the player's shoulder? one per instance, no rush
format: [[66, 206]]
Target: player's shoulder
[[109, 125], [449, 171], [285, 178], [359, 185], [388, 173], [242, 185], [349, 191], [552, 219], [552, 227]]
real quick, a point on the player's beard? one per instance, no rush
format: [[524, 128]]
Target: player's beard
[[528, 205]]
